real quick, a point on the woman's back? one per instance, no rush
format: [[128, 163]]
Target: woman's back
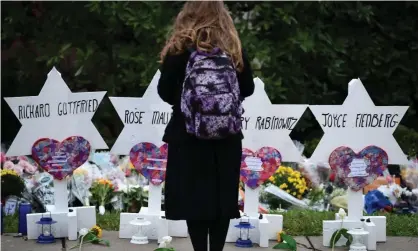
[[202, 178]]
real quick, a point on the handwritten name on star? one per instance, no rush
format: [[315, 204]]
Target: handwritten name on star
[[360, 120], [45, 110], [138, 117], [271, 123]]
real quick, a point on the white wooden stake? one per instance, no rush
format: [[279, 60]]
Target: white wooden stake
[[251, 201], [355, 205], [154, 198], [355, 199], [60, 196]]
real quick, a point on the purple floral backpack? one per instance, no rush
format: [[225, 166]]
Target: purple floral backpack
[[210, 100]]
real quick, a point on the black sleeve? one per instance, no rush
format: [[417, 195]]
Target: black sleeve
[[245, 78], [168, 79]]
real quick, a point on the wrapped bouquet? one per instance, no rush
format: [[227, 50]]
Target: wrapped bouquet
[[102, 192], [81, 182], [409, 173], [285, 188]]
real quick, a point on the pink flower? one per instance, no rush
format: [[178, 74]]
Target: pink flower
[[114, 159], [2, 157], [29, 168], [9, 165]]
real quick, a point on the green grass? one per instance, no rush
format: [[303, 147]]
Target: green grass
[[109, 221], [296, 223], [11, 223], [305, 223], [309, 223]]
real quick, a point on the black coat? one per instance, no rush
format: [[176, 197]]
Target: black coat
[[202, 177]]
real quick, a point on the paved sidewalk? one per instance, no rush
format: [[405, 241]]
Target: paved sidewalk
[[10, 243]]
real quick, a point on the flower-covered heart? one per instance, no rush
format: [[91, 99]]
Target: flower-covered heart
[[60, 159], [150, 161], [358, 170], [257, 167]]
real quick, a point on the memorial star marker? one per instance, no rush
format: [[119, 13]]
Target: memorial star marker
[[55, 113]]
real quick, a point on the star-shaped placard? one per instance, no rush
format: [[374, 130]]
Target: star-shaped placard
[[55, 113], [267, 124], [358, 123], [144, 118]]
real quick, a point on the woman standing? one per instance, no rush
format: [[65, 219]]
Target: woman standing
[[204, 157]]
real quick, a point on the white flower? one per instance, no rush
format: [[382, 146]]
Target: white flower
[[102, 210], [132, 187], [146, 188], [83, 231], [342, 213], [387, 192], [407, 193], [165, 241]]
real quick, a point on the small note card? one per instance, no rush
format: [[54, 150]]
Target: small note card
[[254, 163], [358, 168]]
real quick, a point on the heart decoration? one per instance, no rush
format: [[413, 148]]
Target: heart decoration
[[60, 159], [358, 170], [150, 161], [267, 160]]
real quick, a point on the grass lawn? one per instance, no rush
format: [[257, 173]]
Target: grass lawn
[[296, 223]]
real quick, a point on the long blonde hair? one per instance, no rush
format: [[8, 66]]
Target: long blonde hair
[[204, 25]]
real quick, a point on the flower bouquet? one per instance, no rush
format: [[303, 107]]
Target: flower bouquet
[[127, 167], [115, 176], [315, 173], [93, 236], [9, 165], [285, 188], [400, 197], [102, 192], [409, 173], [81, 182], [11, 184]]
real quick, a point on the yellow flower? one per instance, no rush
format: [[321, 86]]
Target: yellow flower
[[271, 179], [283, 186], [104, 182], [288, 191], [279, 237], [97, 231], [294, 193], [131, 166], [8, 172], [299, 197]]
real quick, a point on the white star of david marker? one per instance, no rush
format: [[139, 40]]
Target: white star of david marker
[[358, 123], [144, 118], [267, 124], [55, 113]]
